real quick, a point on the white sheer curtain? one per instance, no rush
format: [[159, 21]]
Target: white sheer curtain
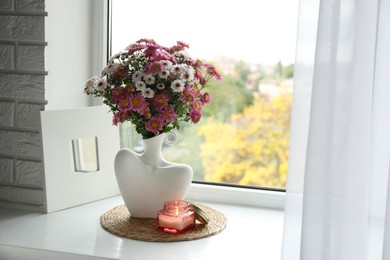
[[338, 183]]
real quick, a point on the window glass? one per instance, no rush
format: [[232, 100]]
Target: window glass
[[243, 137]]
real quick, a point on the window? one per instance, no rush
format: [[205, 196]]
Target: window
[[243, 138]]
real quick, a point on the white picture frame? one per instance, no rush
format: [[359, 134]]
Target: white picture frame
[[64, 186]]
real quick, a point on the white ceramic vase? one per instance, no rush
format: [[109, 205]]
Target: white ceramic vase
[[147, 180]]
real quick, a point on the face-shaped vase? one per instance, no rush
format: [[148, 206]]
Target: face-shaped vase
[[146, 180]]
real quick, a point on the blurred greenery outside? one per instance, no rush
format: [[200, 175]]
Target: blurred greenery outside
[[243, 137]]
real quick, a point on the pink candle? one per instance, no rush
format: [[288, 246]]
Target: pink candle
[[176, 217]]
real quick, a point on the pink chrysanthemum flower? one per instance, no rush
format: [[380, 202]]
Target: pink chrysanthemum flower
[[160, 101], [188, 93], [198, 76], [154, 68], [190, 97], [146, 112], [189, 90], [212, 71], [119, 117], [151, 50], [120, 73], [195, 116], [137, 102], [124, 104], [116, 94], [154, 124], [169, 114], [177, 85], [129, 88], [196, 105], [147, 41], [164, 56], [179, 46], [206, 98], [183, 44], [136, 47]]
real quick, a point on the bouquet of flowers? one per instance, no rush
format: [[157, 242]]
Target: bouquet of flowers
[[154, 87]]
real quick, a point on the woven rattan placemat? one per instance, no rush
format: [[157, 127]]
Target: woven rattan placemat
[[119, 222]]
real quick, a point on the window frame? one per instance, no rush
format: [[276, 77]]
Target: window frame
[[199, 190]]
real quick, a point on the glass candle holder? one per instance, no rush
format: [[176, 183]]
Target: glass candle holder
[[176, 217]]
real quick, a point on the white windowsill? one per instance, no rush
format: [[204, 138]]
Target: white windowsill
[[251, 232], [237, 196]]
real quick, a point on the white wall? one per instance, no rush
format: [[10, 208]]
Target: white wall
[[22, 73]]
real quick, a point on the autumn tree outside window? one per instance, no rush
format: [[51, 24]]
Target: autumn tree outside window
[[243, 137]]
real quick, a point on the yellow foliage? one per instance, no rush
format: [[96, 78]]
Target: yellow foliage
[[252, 147]]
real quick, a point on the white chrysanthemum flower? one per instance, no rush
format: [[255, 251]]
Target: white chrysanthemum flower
[[147, 93], [110, 68], [187, 74], [140, 85], [116, 56], [184, 66], [101, 85], [177, 85], [184, 54], [149, 79], [90, 85], [176, 70], [166, 64], [160, 86], [191, 69], [137, 76], [164, 74]]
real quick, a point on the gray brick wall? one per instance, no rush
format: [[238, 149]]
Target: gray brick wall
[[22, 97]]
